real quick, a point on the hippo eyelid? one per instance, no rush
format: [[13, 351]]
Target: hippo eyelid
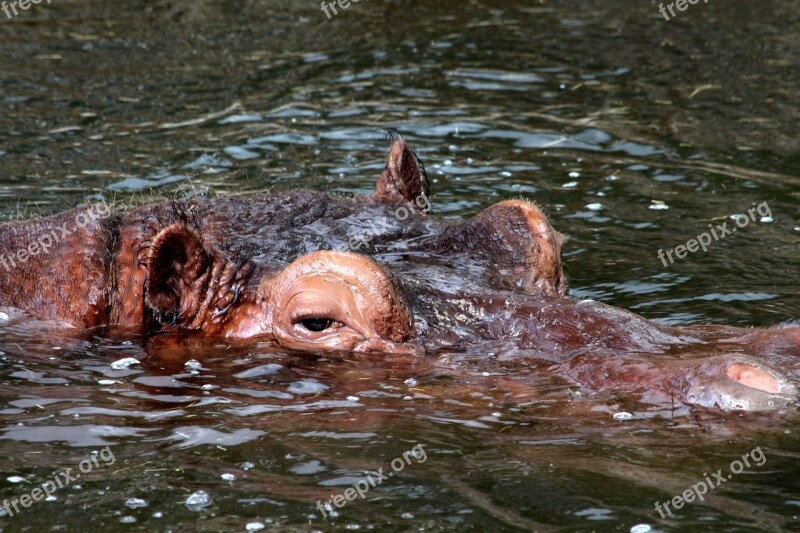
[[317, 324], [328, 312]]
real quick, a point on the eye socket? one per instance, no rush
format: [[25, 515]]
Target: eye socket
[[317, 324]]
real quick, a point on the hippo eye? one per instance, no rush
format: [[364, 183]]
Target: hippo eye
[[317, 324]]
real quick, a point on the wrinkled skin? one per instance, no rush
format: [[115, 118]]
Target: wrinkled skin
[[309, 271]]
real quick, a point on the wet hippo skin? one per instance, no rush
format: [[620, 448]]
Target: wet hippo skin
[[311, 271]]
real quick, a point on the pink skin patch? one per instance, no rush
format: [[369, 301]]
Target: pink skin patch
[[754, 377]]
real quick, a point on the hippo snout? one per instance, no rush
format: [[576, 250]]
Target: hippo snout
[[737, 383]]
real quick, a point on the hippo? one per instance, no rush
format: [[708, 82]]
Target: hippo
[[310, 271]]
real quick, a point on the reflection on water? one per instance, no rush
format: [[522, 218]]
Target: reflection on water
[[633, 133]]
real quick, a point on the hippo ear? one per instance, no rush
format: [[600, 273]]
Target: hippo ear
[[178, 271], [517, 241], [404, 178]]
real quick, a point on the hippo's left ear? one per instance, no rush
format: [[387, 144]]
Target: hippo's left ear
[[517, 241], [404, 178], [178, 272]]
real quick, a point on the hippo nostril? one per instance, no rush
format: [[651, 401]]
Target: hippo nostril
[[754, 377]]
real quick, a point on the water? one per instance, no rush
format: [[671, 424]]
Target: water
[[632, 132]]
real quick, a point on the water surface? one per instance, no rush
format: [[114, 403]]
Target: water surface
[[632, 132]]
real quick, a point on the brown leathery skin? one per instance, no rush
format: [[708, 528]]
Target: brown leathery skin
[[403, 179], [67, 279], [311, 271], [516, 238]]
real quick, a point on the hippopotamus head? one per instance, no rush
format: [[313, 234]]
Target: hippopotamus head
[[314, 271]]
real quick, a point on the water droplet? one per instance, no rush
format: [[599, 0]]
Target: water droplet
[[658, 205], [228, 477], [407, 516], [122, 364], [353, 398], [108, 381], [3, 316], [193, 365], [641, 528], [411, 382], [15, 479], [247, 466], [254, 526], [574, 174], [128, 519], [135, 503], [594, 207], [158, 514], [307, 386], [766, 220], [570, 184], [623, 415], [198, 500], [329, 510], [407, 398]]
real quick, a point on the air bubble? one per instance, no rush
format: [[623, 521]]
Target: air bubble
[[135, 503], [193, 365], [198, 500], [122, 364]]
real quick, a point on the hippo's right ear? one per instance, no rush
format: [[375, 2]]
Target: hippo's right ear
[[178, 270], [404, 178]]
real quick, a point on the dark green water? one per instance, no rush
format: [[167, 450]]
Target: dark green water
[[598, 111]]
